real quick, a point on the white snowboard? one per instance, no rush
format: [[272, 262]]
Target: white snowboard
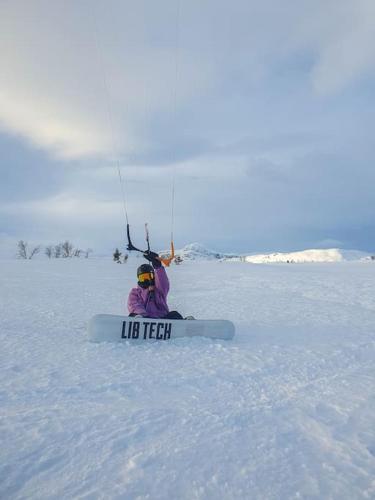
[[111, 328]]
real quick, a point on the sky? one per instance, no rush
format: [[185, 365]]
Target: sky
[[260, 114]]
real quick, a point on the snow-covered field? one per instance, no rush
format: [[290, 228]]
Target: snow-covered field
[[285, 410]]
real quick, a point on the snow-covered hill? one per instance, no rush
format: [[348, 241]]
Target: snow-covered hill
[[313, 255], [196, 251]]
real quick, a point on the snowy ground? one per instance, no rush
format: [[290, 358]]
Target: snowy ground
[[286, 410]]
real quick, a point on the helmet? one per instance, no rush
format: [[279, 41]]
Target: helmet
[[146, 276], [145, 268]]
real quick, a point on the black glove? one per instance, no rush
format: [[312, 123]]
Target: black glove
[[152, 257]]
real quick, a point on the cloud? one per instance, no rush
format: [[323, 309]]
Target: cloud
[[73, 86], [49, 83], [220, 201], [78, 82], [64, 206], [27, 173], [262, 111], [346, 50]]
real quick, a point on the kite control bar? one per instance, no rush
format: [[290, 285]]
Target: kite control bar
[[131, 247]]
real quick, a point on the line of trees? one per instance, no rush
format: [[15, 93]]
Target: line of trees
[[61, 250]]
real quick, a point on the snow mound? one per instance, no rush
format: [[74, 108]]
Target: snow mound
[[312, 255], [196, 251]]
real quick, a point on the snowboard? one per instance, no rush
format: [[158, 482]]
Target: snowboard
[[111, 328]]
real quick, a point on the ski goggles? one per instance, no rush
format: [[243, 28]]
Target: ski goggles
[[146, 277]]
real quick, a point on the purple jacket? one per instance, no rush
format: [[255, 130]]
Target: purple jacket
[[151, 304]]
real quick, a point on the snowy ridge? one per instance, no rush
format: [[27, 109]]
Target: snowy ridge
[[313, 255], [196, 251]]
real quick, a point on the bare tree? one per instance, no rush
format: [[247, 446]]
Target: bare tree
[[49, 251], [67, 249], [34, 251], [22, 250], [117, 256], [57, 251], [125, 258], [77, 252], [87, 252]]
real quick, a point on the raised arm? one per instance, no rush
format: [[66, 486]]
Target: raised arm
[[161, 280]]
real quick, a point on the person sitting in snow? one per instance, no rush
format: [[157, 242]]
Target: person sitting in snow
[[149, 298]]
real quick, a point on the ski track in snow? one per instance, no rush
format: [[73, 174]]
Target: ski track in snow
[[285, 410]]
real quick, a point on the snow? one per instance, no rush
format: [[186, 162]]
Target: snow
[[313, 255], [197, 251], [285, 410]]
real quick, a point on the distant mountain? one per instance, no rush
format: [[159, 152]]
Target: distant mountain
[[313, 255], [196, 251]]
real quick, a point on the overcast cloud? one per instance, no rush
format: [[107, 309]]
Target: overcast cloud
[[264, 112]]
